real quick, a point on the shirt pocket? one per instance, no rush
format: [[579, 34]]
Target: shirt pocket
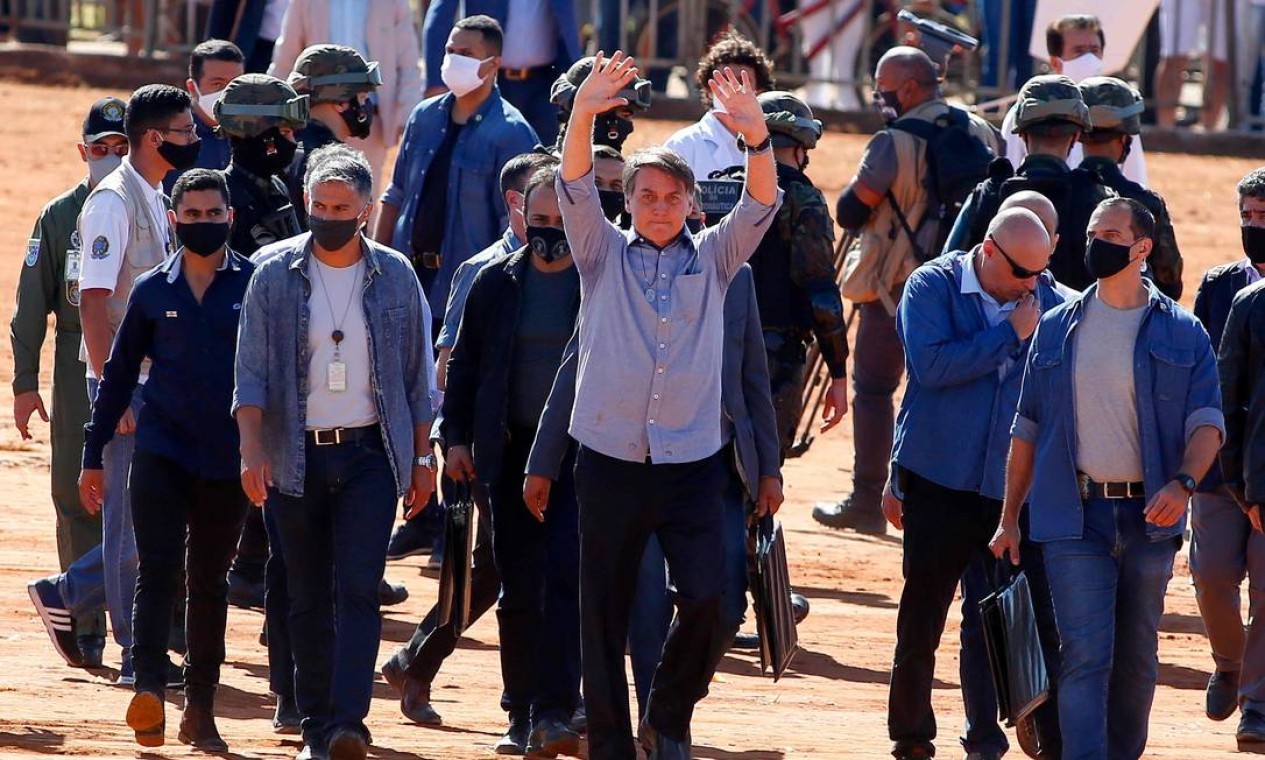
[[1048, 373], [475, 173], [688, 293], [1172, 367]]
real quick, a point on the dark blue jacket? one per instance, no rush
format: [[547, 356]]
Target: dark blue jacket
[[190, 388], [1212, 307], [214, 152], [954, 422], [442, 14]]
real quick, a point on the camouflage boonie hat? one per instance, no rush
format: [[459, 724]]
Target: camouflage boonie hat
[[255, 103], [1113, 105], [333, 74], [562, 93], [790, 120], [1051, 97]]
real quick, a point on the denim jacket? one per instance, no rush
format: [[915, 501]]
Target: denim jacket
[[1175, 378], [964, 376], [273, 356], [476, 212]]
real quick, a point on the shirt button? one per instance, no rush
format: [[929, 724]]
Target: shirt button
[[663, 276], [663, 298], [651, 422], [656, 397], [664, 320], [663, 345], [661, 370]]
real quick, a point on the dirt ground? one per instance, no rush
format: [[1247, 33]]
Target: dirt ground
[[831, 706]]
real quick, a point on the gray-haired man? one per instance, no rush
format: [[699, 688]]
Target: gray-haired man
[[332, 461]]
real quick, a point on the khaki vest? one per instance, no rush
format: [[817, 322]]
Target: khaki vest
[[884, 257], [148, 244]]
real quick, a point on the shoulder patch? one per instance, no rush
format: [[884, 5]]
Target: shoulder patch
[[100, 247], [32, 252]]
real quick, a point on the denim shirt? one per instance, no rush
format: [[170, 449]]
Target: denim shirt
[[476, 211], [1175, 377], [272, 355], [964, 378]]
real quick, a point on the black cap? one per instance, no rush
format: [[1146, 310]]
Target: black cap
[[104, 118]]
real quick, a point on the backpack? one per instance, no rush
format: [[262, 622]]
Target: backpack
[[957, 161]]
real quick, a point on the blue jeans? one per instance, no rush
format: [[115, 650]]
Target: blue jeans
[[334, 539], [1108, 591], [1018, 59], [652, 603], [109, 575]]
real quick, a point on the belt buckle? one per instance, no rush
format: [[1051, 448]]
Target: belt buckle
[[516, 75], [335, 438], [432, 260]]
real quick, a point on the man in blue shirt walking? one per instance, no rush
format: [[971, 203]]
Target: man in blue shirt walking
[[1119, 417], [184, 481]]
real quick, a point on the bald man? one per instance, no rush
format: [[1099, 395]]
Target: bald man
[[1039, 205], [890, 183], [965, 320]]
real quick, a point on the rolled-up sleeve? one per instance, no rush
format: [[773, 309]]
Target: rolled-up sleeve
[[589, 234], [250, 373], [1027, 421], [1203, 397]]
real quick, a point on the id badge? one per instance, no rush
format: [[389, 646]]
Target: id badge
[[337, 376], [74, 261]]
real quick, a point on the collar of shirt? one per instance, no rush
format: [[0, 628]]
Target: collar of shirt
[[373, 266], [151, 191], [683, 237], [994, 311], [715, 133], [172, 265]]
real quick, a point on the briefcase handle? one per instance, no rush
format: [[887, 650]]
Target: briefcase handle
[[1004, 574], [457, 491]]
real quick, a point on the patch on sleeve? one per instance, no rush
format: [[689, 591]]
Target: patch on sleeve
[[100, 247], [32, 252]]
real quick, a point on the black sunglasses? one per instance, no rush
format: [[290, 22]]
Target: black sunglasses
[[1019, 272]]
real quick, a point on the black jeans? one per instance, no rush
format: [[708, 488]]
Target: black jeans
[[252, 549], [277, 614], [426, 651], [538, 614], [181, 519], [334, 539], [944, 531], [621, 505]]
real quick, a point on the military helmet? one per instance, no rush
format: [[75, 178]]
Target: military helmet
[[790, 120], [1050, 98], [562, 93], [333, 74], [255, 103], [1113, 105]]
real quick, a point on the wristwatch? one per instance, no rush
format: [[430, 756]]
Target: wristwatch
[[1187, 483], [761, 147], [427, 461]]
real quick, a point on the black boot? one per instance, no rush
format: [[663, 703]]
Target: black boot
[[197, 723]]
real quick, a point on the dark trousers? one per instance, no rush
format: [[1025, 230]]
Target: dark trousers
[[531, 96], [878, 362], [334, 539], [944, 531], [538, 613], [426, 651], [181, 519], [621, 505], [277, 614], [252, 549]]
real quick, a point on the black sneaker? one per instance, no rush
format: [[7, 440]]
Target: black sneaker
[[516, 738], [175, 676], [1251, 733], [245, 592], [412, 538], [57, 620], [552, 737], [1222, 696], [93, 649], [847, 516], [287, 720], [391, 594], [746, 641], [799, 607]]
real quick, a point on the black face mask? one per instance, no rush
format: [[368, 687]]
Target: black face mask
[[612, 130], [804, 163], [1254, 243], [265, 155], [181, 157], [612, 204], [694, 225], [332, 234], [359, 118], [549, 243], [202, 238], [1105, 259]]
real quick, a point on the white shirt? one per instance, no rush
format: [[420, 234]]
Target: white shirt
[[531, 35], [1134, 166], [337, 303], [347, 20], [707, 146]]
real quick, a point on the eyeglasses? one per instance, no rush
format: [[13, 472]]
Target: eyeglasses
[[1019, 272], [101, 150], [189, 131]]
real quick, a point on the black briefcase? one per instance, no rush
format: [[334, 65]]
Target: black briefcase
[[771, 588], [454, 573], [1020, 679]]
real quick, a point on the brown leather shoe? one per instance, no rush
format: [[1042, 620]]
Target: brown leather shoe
[[414, 695], [146, 718], [197, 729]]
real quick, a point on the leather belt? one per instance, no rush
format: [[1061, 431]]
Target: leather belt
[[336, 436], [1091, 489], [519, 75], [430, 260]]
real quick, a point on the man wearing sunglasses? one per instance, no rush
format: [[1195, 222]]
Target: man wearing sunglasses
[[965, 320], [49, 284]]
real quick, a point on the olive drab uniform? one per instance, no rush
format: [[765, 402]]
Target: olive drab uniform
[[262, 210], [49, 284]]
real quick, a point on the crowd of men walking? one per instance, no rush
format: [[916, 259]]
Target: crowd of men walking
[[282, 342]]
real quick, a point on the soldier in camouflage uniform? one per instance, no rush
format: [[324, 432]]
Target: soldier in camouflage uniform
[[1115, 111], [610, 128], [795, 278], [338, 82], [49, 284], [259, 115]]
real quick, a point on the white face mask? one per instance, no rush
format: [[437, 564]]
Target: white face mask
[[207, 101], [1080, 69], [460, 73], [98, 168]]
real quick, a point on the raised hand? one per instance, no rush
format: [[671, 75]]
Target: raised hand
[[738, 96], [599, 92]]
